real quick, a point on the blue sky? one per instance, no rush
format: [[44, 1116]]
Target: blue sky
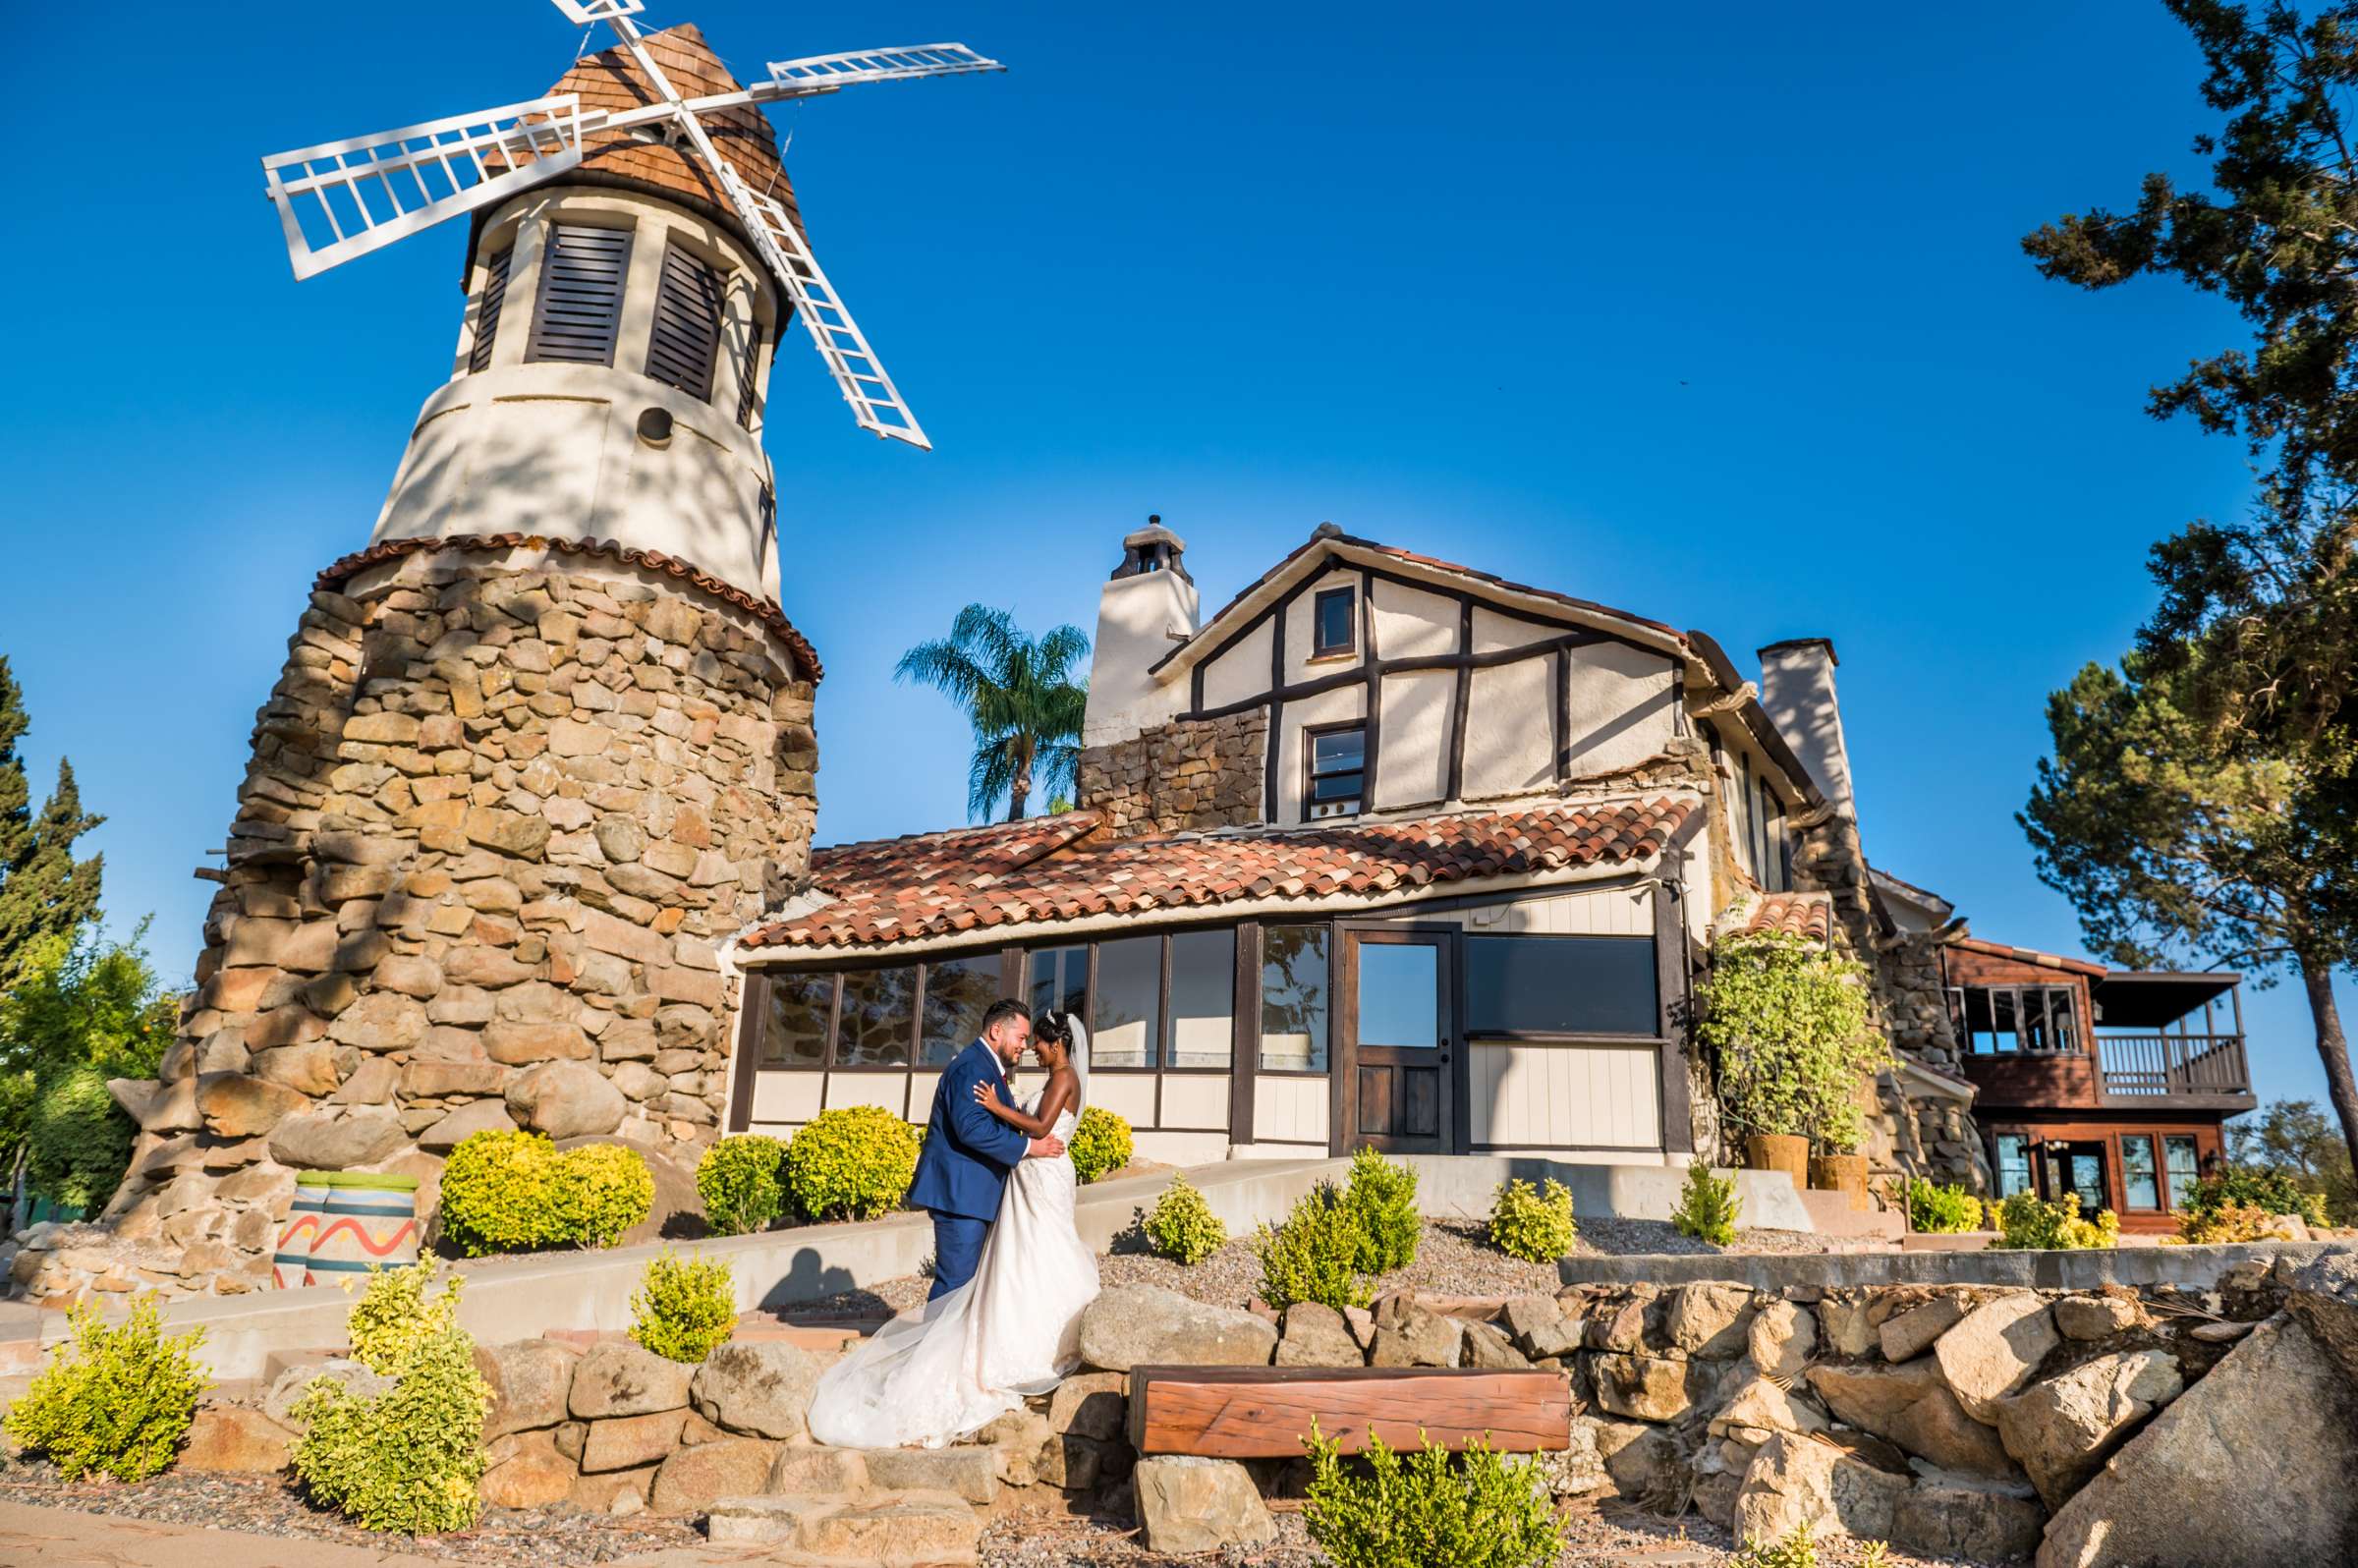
[[1716, 313]]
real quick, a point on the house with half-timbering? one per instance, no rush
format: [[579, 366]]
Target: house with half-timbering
[[1385, 850]]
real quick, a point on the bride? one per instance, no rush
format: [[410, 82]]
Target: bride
[[944, 1371]]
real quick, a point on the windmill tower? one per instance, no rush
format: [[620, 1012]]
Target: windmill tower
[[545, 741]]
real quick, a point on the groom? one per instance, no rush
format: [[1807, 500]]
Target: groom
[[970, 1153]]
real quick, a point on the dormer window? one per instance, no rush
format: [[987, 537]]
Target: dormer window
[[1334, 622], [1336, 757]]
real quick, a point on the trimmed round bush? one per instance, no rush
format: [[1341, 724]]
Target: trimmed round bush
[[118, 1400], [1533, 1223], [1384, 1198], [1942, 1211], [1182, 1226], [596, 1193], [1101, 1143], [684, 1307], [516, 1192], [852, 1164], [739, 1181]]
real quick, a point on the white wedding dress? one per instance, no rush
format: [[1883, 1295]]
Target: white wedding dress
[[933, 1375]]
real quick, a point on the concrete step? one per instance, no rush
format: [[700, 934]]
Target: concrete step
[[898, 1529], [969, 1473]]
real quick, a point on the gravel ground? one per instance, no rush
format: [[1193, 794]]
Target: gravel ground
[[1455, 1259], [541, 1538]]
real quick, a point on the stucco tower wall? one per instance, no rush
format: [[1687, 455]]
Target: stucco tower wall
[[502, 810]]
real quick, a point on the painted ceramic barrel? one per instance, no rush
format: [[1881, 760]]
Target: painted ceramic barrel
[[291, 1259], [369, 1221]]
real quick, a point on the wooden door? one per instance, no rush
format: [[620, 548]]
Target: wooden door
[[1399, 1031]]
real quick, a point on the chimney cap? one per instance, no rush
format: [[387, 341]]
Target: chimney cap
[[1327, 530], [1791, 643], [1153, 548], [1155, 533]]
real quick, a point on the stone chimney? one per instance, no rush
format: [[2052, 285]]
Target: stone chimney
[[1797, 689], [1148, 608]]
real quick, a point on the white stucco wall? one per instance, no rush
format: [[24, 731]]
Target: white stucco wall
[[1414, 766], [1410, 621], [1140, 618], [1620, 709], [1241, 672], [1510, 729]]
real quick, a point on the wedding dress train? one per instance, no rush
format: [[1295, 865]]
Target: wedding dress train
[[941, 1373]]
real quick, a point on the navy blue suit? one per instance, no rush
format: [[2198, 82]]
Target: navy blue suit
[[968, 1156]]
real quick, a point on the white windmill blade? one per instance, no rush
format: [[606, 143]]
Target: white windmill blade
[[345, 198], [876, 401], [825, 73]]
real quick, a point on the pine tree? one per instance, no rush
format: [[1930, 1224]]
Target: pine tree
[[46, 895]]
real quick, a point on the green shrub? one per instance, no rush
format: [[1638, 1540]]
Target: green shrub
[[1944, 1210], [1429, 1509], [738, 1180], [1533, 1223], [2030, 1223], [1314, 1255], [2231, 1222], [1788, 1025], [1797, 1550], [1708, 1206], [852, 1164], [1101, 1143], [119, 1399], [516, 1192], [683, 1308], [1182, 1226], [80, 1139], [394, 1313], [1384, 1198], [408, 1459], [2272, 1190]]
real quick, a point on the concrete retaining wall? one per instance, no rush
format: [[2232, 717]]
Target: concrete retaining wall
[[2192, 1268]]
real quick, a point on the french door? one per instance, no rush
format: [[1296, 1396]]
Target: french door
[[1399, 1042]]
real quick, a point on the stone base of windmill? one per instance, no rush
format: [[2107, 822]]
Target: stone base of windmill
[[506, 802]]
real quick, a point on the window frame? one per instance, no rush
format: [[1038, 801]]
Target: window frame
[[1329, 1008], [2153, 1170], [1320, 648], [1312, 734], [1472, 1033], [2017, 992], [2169, 1198], [1160, 1031]]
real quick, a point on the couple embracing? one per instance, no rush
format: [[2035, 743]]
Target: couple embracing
[[1010, 1273]]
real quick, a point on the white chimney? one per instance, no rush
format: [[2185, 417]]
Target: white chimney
[[1797, 690], [1148, 608]]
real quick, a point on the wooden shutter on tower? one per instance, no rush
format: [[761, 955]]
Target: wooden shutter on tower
[[687, 324], [749, 400], [580, 308], [487, 318]]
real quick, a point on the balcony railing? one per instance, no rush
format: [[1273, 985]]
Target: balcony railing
[[2158, 1065]]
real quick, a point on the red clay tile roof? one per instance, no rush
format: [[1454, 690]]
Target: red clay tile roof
[[1050, 870], [1809, 915]]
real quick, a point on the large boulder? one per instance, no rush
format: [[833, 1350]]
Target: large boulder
[[1407, 1335], [1316, 1336], [1910, 1406], [475, 1116], [1188, 1505], [2061, 1429], [523, 1470], [631, 1442], [2249, 1467], [2097, 1316], [1094, 1405], [1967, 1517], [1490, 1347], [566, 1099], [621, 1378], [1761, 1409], [1650, 1387], [235, 1105], [1798, 1482], [1994, 1348], [1906, 1335], [1842, 1323], [762, 1388], [1143, 1325], [1541, 1327], [1710, 1320], [529, 1380], [1781, 1340], [692, 1479], [322, 1140], [2325, 1298], [230, 1439], [1638, 1456]]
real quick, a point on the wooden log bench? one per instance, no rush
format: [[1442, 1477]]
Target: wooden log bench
[[1266, 1412]]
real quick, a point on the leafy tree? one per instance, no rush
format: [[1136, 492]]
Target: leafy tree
[[46, 894], [2167, 833], [1019, 693], [2292, 1138]]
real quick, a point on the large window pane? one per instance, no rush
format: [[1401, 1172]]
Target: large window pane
[[795, 1033], [1129, 992], [1059, 980], [1560, 985], [2185, 1167], [2140, 1188], [1293, 998], [1399, 994], [1202, 1031], [2013, 1164], [958, 992], [877, 1019]]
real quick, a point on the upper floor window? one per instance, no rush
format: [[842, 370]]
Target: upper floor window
[[1333, 621], [2000, 1020], [687, 327], [579, 308], [1337, 760]]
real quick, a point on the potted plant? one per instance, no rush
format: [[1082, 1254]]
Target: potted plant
[[1787, 1024]]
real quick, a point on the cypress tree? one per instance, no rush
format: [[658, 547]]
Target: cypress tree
[[46, 895]]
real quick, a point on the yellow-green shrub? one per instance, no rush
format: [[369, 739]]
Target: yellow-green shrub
[[1382, 1196], [1533, 1223], [738, 1180], [408, 1459], [1101, 1143], [851, 1163], [516, 1192], [1429, 1509], [1708, 1206], [119, 1399], [394, 1313], [1947, 1210], [1314, 1255], [2030, 1223], [684, 1307], [2231, 1222], [1182, 1226]]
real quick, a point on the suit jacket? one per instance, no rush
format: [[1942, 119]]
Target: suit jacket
[[969, 1153]]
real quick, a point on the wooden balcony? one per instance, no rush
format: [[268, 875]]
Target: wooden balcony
[[2190, 1070]]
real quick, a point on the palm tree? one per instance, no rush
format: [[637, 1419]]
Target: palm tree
[[1021, 696]]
